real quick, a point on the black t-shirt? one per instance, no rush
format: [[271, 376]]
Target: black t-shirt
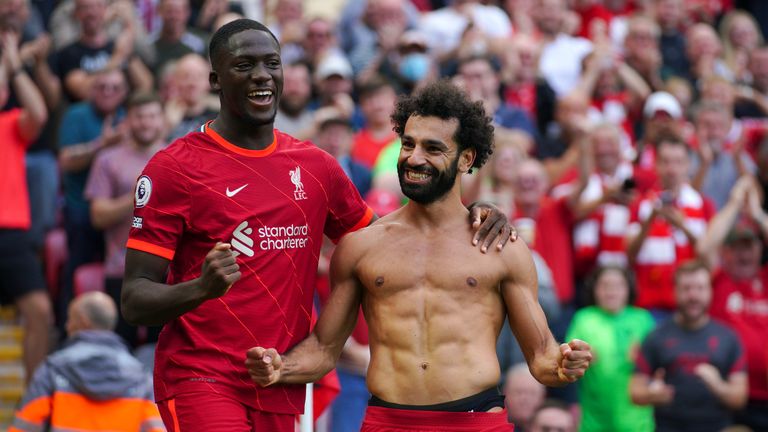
[[79, 56], [678, 351]]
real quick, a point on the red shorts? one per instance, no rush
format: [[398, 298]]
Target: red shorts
[[191, 412], [379, 419]]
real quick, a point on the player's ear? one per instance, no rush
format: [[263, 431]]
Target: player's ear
[[466, 159], [213, 79]]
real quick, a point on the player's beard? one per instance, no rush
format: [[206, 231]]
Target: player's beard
[[440, 182]]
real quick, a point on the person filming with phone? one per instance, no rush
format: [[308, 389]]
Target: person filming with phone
[[665, 225], [602, 210]]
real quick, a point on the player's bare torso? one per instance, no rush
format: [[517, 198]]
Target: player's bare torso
[[434, 310]]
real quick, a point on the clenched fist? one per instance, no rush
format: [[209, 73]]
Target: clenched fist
[[264, 365], [220, 271]]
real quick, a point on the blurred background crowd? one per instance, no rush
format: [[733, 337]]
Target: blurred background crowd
[[631, 154]]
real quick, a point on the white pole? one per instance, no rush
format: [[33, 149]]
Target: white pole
[[305, 421]]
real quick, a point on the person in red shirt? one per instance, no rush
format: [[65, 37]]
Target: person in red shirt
[[665, 225], [736, 235], [235, 215], [21, 277], [377, 100]]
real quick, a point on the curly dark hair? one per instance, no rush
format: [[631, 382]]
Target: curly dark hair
[[444, 100]]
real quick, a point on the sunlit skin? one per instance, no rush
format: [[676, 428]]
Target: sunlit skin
[[429, 344], [249, 76]]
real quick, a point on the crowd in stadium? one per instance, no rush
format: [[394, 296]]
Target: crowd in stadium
[[631, 156]]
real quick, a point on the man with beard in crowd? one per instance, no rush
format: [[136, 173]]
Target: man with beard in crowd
[[434, 307]]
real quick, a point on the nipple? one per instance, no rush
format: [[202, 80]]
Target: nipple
[[424, 365], [379, 281], [472, 282]]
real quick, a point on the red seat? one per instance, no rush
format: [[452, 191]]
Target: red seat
[[55, 255], [89, 277]]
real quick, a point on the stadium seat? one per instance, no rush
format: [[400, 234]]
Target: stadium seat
[[55, 255], [89, 277]]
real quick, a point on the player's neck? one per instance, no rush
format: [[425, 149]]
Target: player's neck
[[438, 213], [241, 134]]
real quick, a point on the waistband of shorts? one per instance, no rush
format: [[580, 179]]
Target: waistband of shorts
[[491, 397], [438, 420]]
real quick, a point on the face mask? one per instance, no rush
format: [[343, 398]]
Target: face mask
[[414, 67]]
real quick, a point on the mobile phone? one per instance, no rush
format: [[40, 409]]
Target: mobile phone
[[666, 198], [628, 185]]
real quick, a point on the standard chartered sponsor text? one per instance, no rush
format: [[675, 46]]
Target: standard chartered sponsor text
[[283, 237]]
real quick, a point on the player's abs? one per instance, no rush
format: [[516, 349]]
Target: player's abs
[[423, 355]]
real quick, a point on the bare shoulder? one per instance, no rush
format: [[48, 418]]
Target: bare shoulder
[[518, 261]]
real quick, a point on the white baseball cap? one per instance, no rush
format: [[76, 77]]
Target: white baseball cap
[[333, 64], [662, 101]]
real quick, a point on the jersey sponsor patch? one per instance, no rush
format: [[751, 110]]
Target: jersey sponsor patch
[[143, 191]]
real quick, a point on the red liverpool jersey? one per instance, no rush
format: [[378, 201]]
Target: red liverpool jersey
[[273, 206]]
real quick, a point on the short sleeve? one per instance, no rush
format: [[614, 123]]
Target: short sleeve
[[646, 361], [161, 207], [347, 211], [99, 183], [737, 360]]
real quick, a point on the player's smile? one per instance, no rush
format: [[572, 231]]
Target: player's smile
[[262, 98]]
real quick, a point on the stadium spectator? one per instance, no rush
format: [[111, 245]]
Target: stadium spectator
[[740, 36], [615, 330], [293, 114], [720, 161], [691, 369], [189, 102], [176, 38], [93, 383], [602, 210], [561, 55], [642, 51], [445, 27], [665, 226], [523, 86], [479, 76], [670, 16], [552, 416], [377, 101], [87, 128], [21, 278], [110, 191], [76, 63], [737, 236], [522, 395], [335, 136]]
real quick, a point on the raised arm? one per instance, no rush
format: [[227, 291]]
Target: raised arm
[[550, 364], [709, 245], [147, 300], [34, 113], [316, 355]]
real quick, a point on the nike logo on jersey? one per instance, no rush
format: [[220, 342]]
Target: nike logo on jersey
[[232, 193]]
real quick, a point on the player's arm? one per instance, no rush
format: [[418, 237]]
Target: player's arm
[[147, 300], [316, 355], [550, 363]]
